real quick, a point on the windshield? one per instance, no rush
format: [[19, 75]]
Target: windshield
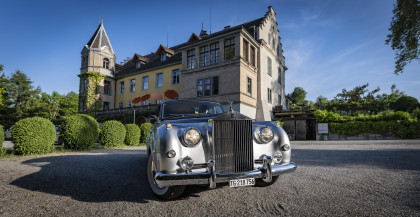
[[190, 108]]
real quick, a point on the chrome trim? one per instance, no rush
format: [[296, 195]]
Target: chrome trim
[[204, 178], [212, 171]]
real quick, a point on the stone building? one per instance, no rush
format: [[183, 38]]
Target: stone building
[[243, 64]]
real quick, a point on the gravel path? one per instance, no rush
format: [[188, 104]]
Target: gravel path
[[348, 178]]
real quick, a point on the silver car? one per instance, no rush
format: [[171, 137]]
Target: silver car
[[197, 143]]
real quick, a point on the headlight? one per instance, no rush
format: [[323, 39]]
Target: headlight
[[191, 137], [266, 134]]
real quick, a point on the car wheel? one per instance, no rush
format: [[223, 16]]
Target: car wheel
[[161, 192], [262, 183]]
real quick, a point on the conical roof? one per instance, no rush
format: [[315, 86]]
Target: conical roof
[[99, 39]]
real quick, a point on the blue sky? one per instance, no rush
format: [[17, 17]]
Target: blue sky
[[329, 45]]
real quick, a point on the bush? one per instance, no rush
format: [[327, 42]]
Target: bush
[[132, 137], [1, 136], [33, 136], [57, 121], [79, 132], [145, 128], [112, 133], [405, 103]]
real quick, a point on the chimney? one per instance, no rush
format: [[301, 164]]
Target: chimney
[[227, 27]]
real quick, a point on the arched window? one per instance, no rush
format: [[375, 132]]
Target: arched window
[[106, 63]]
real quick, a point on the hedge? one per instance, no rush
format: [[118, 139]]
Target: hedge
[[79, 132], [132, 136], [112, 133], [33, 136], [145, 128], [401, 124], [1, 136]]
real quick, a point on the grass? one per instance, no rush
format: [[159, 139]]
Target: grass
[[9, 152]]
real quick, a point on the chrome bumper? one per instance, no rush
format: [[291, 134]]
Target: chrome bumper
[[211, 177]]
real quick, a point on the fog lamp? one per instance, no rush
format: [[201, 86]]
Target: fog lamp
[[171, 154], [285, 147], [277, 157], [186, 163]]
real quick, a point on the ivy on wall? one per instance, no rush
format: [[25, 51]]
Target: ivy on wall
[[91, 96]]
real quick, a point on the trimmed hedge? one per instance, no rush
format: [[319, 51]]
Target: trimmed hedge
[[400, 124], [79, 132], [1, 136], [132, 136], [112, 133], [145, 128], [33, 136]]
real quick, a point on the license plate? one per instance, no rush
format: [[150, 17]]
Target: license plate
[[241, 182]]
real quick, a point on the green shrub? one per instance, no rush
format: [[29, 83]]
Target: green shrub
[[57, 121], [132, 137], [33, 136], [145, 128], [405, 103], [79, 132], [1, 136], [112, 133]]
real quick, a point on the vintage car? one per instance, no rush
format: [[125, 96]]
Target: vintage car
[[197, 143]]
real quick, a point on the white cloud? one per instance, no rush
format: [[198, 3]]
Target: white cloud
[[343, 53]]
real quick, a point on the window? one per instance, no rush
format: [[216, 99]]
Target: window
[[120, 104], [138, 65], [200, 87], [133, 85], [274, 44], [252, 56], [106, 106], [249, 85], [121, 87], [130, 103], [84, 85], [269, 38], [279, 78], [106, 63], [229, 48], [214, 53], [191, 59], [215, 86], [204, 55], [279, 99], [245, 51], [144, 103], [159, 101], [269, 66], [107, 87], [163, 57], [269, 97], [159, 79], [145, 83], [207, 86], [175, 76]]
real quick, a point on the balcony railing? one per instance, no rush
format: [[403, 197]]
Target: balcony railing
[[138, 109]]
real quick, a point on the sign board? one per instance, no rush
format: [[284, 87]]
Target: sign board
[[322, 128]]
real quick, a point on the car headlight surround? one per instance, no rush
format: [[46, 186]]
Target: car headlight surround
[[191, 137], [266, 134]]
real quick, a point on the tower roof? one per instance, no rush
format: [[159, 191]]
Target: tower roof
[[99, 39]]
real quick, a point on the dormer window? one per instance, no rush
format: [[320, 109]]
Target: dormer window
[[106, 63], [138, 65], [163, 57]]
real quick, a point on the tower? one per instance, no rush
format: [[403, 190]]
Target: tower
[[97, 83]]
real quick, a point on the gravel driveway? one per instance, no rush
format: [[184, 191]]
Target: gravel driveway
[[373, 178]]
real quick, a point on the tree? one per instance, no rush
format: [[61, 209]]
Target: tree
[[298, 96], [2, 90], [69, 104], [321, 102], [405, 103], [405, 33], [359, 94]]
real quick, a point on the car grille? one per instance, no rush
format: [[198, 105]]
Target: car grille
[[233, 145]]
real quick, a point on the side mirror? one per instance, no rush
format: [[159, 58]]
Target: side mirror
[[153, 119]]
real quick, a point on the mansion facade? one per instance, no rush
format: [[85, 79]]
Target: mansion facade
[[243, 64]]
